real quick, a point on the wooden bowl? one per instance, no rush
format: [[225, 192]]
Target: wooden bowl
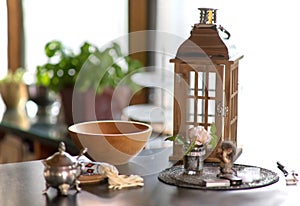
[[114, 142]]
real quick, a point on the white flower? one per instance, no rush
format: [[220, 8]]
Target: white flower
[[200, 135]]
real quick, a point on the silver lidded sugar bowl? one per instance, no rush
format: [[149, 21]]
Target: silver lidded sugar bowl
[[62, 171]]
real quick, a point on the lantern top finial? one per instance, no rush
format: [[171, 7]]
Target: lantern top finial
[[208, 16]]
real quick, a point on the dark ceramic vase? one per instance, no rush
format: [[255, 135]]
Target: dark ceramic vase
[[193, 162]]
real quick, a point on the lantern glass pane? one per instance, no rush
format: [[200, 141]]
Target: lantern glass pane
[[201, 83], [192, 83], [200, 110], [190, 109], [211, 111], [212, 84]]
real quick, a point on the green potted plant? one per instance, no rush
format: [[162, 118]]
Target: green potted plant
[[89, 75]]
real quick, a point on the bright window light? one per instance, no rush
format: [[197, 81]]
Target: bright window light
[[72, 22]]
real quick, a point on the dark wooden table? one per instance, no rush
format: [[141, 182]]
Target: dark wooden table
[[23, 184]]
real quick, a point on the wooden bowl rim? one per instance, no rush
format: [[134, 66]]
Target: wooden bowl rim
[[73, 128]]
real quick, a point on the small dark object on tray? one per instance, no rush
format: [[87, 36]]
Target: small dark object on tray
[[234, 180]]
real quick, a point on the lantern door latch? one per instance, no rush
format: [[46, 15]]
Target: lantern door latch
[[222, 110]]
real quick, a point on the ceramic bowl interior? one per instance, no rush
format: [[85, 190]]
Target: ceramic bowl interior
[[114, 142]]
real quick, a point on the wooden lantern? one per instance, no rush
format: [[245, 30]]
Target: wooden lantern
[[206, 82]]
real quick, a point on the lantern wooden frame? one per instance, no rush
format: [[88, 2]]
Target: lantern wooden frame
[[225, 114], [206, 101]]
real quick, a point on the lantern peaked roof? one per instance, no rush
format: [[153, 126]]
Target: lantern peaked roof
[[207, 41]]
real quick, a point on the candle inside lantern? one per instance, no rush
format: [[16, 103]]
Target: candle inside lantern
[[210, 13]]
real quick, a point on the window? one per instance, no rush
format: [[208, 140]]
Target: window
[[3, 38], [71, 22]]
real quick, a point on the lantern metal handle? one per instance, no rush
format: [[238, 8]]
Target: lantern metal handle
[[222, 29]]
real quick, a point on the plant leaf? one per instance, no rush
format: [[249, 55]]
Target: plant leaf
[[178, 138], [171, 138], [213, 134], [191, 146]]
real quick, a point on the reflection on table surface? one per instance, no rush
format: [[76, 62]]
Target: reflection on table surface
[[28, 124]]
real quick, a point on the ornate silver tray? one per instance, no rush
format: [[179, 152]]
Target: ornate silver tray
[[175, 176]]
